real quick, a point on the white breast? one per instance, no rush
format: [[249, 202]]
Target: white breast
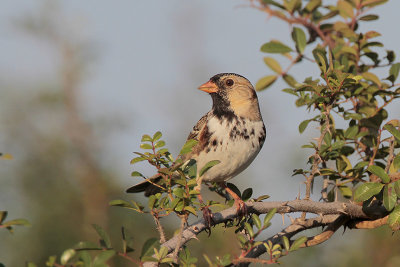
[[235, 144]]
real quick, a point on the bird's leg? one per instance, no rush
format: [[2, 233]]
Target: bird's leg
[[241, 207], [207, 215]]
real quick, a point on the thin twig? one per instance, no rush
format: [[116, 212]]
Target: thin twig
[[159, 227], [391, 154], [179, 243]]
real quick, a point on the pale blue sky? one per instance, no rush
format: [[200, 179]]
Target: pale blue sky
[[152, 55]]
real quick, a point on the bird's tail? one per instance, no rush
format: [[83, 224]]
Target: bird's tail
[[148, 186]]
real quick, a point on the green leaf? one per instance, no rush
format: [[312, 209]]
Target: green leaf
[[147, 249], [120, 203], [50, 262], [152, 201], [394, 72], [272, 2], [340, 164], [371, 3], [86, 245], [303, 125], [269, 216], [179, 207], [369, 76], [291, 81], [396, 186], [187, 147], [265, 82], [273, 64], [321, 61], [346, 191], [394, 219], [157, 136], [396, 162], [393, 131], [103, 257], [286, 243], [146, 138], [345, 9], [208, 166], [378, 171], [104, 238], [338, 145], [246, 195], [312, 4], [67, 255], [226, 260], [297, 243], [369, 17], [249, 229], [367, 190], [289, 91], [299, 37], [275, 47], [85, 257], [261, 198], [136, 174], [159, 144], [389, 197], [146, 146], [163, 151], [191, 210], [137, 159], [390, 55], [256, 220], [351, 132], [179, 192]]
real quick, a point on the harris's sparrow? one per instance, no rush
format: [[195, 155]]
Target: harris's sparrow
[[232, 132]]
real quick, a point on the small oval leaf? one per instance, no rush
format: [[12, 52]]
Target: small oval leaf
[[367, 190], [273, 64], [265, 82], [275, 47]]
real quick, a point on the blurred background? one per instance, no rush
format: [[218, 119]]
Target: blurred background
[[82, 81]]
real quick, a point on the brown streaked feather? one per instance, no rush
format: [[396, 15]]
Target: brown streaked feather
[[197, 128], [201, 134]]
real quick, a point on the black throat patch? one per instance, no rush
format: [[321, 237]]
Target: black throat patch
[[221, 107]]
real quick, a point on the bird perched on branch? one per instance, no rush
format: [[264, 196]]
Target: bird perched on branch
[[232, 132]]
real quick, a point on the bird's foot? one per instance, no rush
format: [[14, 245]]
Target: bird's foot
[[241, 209], [208, 219]]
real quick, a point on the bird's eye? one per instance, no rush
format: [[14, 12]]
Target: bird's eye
[[229, 82]]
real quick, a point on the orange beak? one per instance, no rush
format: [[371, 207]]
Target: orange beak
[[209, 87]]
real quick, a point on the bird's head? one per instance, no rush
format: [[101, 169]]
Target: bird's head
[[232, 94]]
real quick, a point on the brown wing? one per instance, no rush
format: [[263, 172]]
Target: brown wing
[[201, 134], [194, 134]]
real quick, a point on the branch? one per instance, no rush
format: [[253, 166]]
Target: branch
[[332, 210], [296, 227], [334, 222]]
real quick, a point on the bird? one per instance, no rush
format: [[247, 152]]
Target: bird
[[232, 132]]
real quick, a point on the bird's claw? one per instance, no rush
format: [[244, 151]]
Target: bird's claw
[[208, 219], [241, 209]]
